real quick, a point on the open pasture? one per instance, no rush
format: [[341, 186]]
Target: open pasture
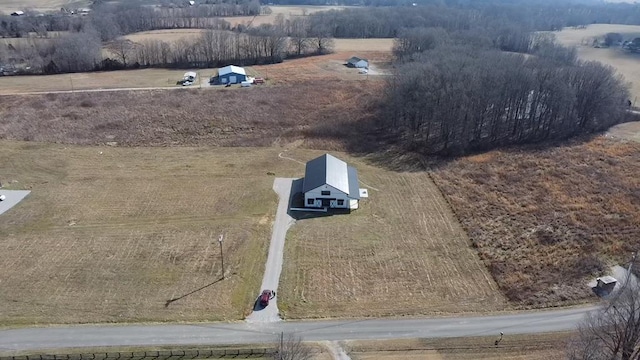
[[114, 234], [403, 252]]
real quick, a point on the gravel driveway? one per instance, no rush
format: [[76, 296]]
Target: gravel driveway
[[270, 313]]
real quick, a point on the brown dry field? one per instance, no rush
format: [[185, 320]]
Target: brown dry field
[[193, 117], [340, 45], [9, 6], [109, 234], [143, 78], [626, 64], [287, 11], [550, 346], [626, 131], [166, 35], [316, 113], [402, 253], [545, 220]]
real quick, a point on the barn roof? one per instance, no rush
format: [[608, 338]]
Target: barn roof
[[231, 69], [331, 171], [355, 59], [607, 279]]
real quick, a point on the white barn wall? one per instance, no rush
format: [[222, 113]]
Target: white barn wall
[[317, 195]]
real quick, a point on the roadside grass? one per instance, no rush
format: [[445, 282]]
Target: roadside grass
[[547, 346], [243, 351], [111, 234], [547, 219], [402, 253], [191, 351]]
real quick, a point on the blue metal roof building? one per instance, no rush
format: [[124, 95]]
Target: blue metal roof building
[[229, 75]]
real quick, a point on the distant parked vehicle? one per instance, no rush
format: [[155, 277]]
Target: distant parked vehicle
[[245, 84], [2, 197], [266, 296], [187, 83], [258, 81]]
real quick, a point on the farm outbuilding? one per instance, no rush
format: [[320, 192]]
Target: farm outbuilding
[[330, 183], [606, 283], [357, 62], [229, 75]]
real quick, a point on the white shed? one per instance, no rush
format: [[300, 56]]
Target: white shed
[[330, 183]]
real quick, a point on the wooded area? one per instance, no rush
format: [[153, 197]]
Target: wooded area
[[452, 95], [507, 25]]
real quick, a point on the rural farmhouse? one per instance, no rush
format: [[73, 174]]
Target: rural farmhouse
[[330, 183], [356, 62], [229, 75]]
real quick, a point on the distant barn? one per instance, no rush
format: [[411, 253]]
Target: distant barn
[[357, 62], [229, 75]]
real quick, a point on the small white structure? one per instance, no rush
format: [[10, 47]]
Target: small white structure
[[357, 62], [190, 76], [606, 283], [17, 13], [330, 183]]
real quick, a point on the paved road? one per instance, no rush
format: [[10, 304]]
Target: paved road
[[271, 278], [238, 333]]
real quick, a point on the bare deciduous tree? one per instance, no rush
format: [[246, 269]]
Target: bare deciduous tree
[[123, 49], [612, 332], [291, 347]]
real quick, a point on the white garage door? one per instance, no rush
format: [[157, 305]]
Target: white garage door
[[232, 79]]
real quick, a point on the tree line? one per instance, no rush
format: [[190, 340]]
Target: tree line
[[452, 95], [496, 18], [83, 51], [111, 20]]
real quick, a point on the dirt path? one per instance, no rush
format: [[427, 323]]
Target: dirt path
[[271, 279]]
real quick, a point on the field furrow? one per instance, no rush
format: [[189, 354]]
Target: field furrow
[[402, 253]]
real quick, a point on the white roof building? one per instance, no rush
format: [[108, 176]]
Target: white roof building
[[231, 69]]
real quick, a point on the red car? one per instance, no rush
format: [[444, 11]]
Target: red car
[[266, 296]]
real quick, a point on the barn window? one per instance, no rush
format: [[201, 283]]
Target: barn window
[[340, 202], [325, 192], [310, 201]]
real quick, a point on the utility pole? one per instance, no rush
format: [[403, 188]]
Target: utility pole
[[633, 259], [220, 239]]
